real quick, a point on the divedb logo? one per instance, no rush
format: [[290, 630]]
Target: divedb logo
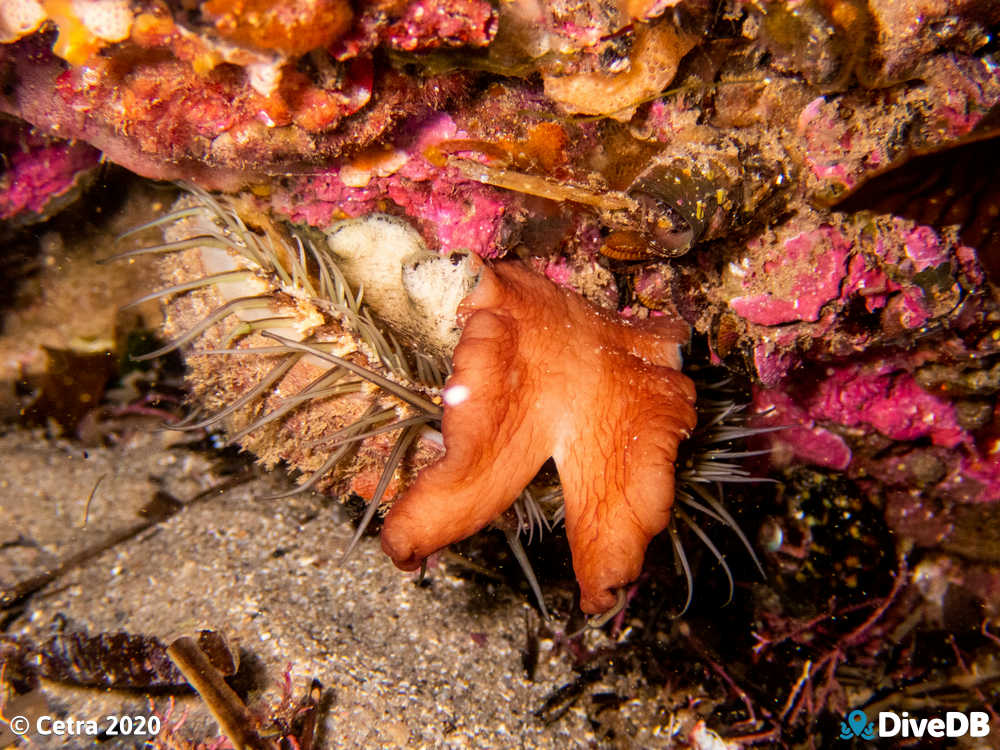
[[892, 724]]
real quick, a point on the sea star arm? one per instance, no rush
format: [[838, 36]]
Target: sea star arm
[[619, 483], [493, 448], [540, 372]]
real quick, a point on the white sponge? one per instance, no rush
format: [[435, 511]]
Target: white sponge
[[19, 17], [410, 288]]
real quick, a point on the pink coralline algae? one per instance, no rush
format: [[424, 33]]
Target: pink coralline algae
[[451, 217], [431, 23], [802, 438], [38, 171], [827, 139], [451, 212], [800, 290], [923, 246], [871, 406], [420, 25], [846, 138], [802, 275], [816, 303], [559, 271], [856, 400], [890, 402]]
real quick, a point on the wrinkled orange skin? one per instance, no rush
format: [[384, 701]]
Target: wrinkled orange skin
[[549, 374]]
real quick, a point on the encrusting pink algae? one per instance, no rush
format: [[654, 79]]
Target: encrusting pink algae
[[749, 185]]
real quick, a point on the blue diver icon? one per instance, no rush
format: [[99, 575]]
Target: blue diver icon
[[857, 725]]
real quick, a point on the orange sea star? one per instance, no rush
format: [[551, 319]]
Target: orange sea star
[[541, 372]]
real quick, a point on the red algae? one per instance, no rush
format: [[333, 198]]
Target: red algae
[[452, 213], [890, 402], [39, 171], [418, 25], [815, 262]]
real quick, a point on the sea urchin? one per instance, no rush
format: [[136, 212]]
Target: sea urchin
[[345, 338]]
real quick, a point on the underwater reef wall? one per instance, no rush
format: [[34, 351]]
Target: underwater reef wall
[[808, 184]]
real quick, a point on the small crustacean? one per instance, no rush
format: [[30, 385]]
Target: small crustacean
[[298, 367], [685, 193]]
